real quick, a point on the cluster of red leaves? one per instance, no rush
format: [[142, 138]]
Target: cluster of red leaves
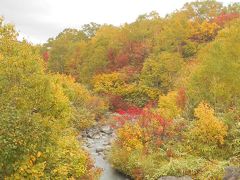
[[45, 56], [132, 111], [145, 116], [148, 115], [117, 59], [138, 173], [111, 55], [126, 115], [122, 59], [117, 102], [131, 53], [224, 18], [154, 129], [137, 51], [147, 120]]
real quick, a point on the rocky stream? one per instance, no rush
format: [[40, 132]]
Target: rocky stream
[[97, 141]]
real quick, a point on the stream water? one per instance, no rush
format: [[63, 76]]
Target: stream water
[[97, 142]]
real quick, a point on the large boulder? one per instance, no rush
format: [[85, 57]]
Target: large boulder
[[232, 173]]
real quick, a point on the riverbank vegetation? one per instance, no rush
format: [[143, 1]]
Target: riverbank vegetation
[[39, 113], [172, 81]]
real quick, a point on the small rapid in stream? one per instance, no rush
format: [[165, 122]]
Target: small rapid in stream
[[97, 141]]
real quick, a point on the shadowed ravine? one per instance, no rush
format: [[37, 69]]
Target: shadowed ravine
[[97, 142]]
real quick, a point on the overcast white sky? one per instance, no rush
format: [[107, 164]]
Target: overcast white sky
[[37, 20]]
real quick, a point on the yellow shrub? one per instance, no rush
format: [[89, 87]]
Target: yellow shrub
[[131, 136], [208, 128], [203, 32], [77, 93], [108, 83], [85, 107], [168, 107], [29, 168]]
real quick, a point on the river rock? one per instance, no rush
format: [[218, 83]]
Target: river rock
[[106, 129], [99, 149], [107, 143], [90, 140], [84, 147], [89, 145], [175, 178], [92, 132], [83, 134], [97, 136], [232, 173], [107, 147]]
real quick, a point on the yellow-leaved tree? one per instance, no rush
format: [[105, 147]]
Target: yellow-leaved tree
[[36, 139], [168, 107], [208, 128]]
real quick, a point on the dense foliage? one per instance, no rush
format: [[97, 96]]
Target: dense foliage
[[173, 83], [37, 139]]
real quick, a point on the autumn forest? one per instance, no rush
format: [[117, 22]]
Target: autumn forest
[[166, 89]]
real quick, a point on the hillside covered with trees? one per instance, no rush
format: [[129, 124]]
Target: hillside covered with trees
[[172, 84]]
